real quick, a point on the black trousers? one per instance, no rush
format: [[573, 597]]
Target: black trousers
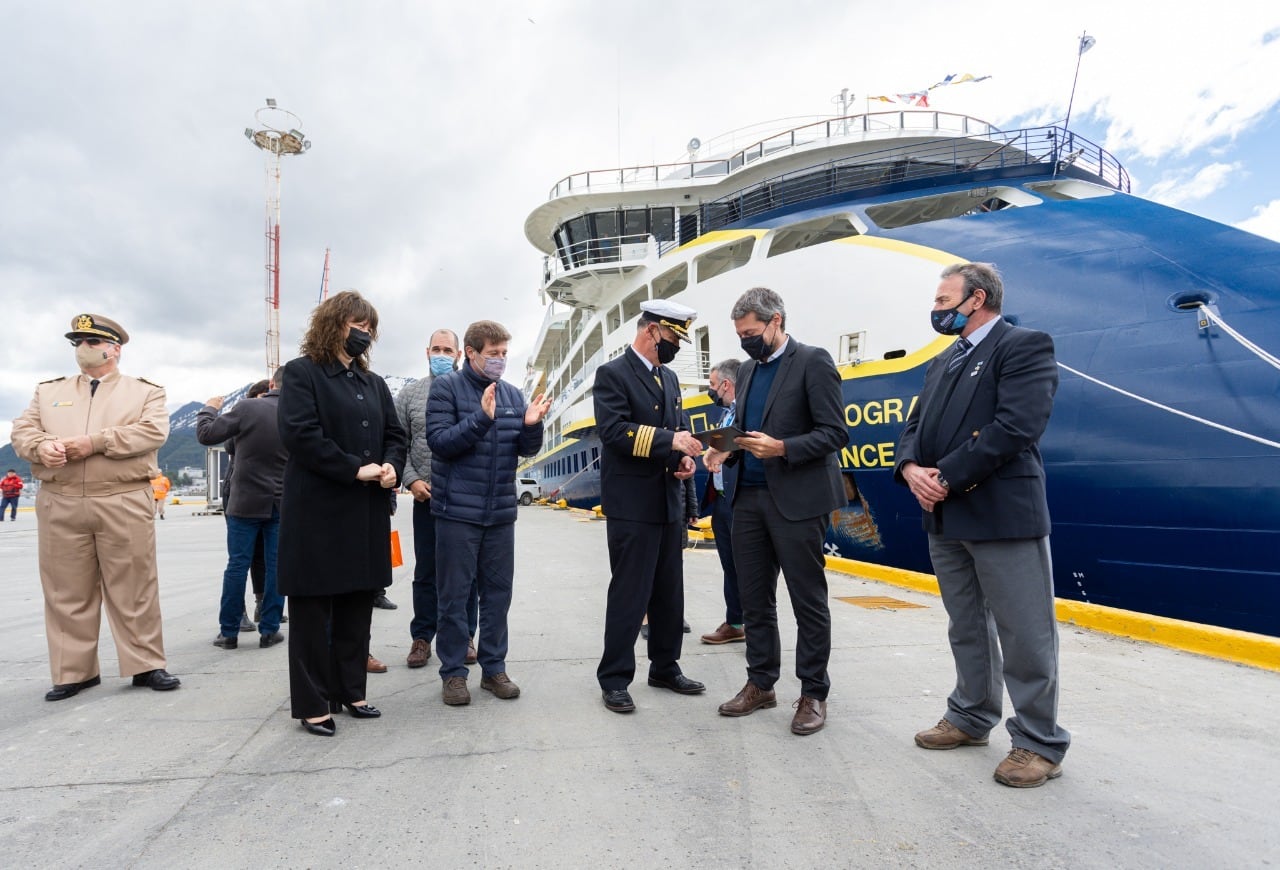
[[647, 561], [765, 541], [328, 650]]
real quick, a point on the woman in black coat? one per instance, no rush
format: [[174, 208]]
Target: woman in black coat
[[346, 454]]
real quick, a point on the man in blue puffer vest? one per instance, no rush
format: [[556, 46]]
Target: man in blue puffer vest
[[477, 428]]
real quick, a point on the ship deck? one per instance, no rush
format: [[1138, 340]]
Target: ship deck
[[1171, 764]]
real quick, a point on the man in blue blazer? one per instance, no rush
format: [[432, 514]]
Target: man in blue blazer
[[970, 455], [789, 404]]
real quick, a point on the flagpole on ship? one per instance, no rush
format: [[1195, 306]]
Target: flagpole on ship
[[1086, 43]]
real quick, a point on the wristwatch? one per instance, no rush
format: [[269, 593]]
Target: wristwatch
[[942, 481]]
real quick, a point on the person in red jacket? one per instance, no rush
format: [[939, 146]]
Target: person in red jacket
[[10, 488]]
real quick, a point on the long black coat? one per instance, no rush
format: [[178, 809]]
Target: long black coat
[[335, 531]]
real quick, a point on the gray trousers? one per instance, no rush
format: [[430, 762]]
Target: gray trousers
[[999, 598]]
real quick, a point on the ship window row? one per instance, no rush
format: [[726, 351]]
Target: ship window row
[[599, 237], [572, 463]]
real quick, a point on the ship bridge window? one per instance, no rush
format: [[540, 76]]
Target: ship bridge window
[[662, 224], [631, 305], [819, 231], [943, 206], [725, 258], [670, 283]]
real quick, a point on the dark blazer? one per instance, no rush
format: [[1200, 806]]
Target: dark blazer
[[258, 452], [805, 409], [636, 421], [986, 437], [335, 530]]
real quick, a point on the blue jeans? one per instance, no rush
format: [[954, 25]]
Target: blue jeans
[[242, 532], [722, 528], [468, 555], [10, 502], [426, 603]]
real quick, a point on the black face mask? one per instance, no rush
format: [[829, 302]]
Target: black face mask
[[357, 342], [716, 399], [667, 350], [754, 346]]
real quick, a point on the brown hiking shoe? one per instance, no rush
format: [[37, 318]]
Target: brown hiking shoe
[[419, 654], [1025, 769], [944, 735], [726, 633], [749, 700], [501, 686], [471, 653], [455, 692], [374, 666]]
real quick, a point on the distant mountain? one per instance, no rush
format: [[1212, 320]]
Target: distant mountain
[[181, 450]]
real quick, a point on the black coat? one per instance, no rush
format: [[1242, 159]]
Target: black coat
[[335, 530], [252, 435]]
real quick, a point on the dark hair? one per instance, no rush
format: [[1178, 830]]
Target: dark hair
[[11, 471], [762, 302], [728, 369], [979, 276], [327, 331], [484, 332], [257, 389], [277, 377]]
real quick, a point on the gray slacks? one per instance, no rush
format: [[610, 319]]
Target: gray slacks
[[999, 599]]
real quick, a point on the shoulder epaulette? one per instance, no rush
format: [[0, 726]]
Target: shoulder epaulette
[[151, 383], [54, 380]]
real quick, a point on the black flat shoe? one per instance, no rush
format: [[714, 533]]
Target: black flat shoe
[[679, 684], [323, 728], [364, 711], [159, 679], [618, 700], [69, 690], [226, 642], [272, 639]]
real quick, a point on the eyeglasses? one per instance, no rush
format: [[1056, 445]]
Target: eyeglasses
[[92, 342]]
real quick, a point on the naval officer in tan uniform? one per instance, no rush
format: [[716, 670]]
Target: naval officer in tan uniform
[[92, 441]]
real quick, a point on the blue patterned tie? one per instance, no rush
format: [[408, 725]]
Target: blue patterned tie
[[963, 346]]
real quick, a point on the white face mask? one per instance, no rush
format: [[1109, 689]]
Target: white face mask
[[90, 357]]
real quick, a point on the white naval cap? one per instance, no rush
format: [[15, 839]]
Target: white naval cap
[[672, 315]]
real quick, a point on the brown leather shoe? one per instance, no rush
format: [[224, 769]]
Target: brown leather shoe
[[501, 686], [455, 692], [944, 735], [419, 654], [1025, 769], [471, 653], [374, 666], [749, 700], [811, 716], [726, 633]]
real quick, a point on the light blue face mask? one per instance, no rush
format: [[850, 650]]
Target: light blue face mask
[[441, 365]]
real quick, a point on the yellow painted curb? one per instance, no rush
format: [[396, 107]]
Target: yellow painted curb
[[1242, 647]]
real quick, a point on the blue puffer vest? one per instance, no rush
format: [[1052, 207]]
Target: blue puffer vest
[[473, 458]]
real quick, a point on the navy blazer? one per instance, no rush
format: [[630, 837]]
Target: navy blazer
[[636, 421], [987, 437], [804, 409]]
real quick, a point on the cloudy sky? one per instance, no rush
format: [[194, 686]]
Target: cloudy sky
[[127, 187]]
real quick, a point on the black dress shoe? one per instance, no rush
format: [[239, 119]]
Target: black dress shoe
[[382, 602], [618, 700], [323, 728], [687, 629], [679, 683], [267, 640], [362, 711], [226, 642], [159, 679], [63, 691]]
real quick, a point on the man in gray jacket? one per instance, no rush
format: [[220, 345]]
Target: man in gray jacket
[[253, 507], [411, 407]]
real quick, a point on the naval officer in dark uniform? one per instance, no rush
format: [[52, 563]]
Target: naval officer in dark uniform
[[648, 454]]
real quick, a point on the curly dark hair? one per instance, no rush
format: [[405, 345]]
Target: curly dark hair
[[327, 331]]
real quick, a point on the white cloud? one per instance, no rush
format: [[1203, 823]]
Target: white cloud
[[1265, 220], [1183, 187]]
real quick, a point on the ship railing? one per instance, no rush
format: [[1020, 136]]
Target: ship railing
[[909, 163], [590, 252], [798, 137]]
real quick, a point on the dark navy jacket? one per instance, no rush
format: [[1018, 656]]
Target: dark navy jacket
[[473, 458]]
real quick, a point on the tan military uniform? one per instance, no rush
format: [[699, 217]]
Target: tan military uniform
[[96, 531]]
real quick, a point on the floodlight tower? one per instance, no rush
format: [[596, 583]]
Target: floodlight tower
[[278, 135]]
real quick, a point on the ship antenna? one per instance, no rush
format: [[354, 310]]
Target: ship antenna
[[1086, 42]]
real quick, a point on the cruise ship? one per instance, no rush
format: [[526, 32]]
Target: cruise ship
[[1163, 452]]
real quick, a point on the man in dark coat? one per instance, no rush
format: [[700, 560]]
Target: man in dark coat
[[717, 500], [647, 456], [253, 507], [478, 427], [789, 404], [970, 454]]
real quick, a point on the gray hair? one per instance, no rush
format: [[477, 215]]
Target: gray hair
[[979, 276], [762, 302], [727, 369]]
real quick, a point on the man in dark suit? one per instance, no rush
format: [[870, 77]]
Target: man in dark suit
[[717, 500], [789, 404], [647, 456], [970, 455]]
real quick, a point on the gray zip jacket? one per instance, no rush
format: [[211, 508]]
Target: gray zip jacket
[[411, 408]]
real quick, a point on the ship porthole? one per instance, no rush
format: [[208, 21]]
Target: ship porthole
[[1190, 301]]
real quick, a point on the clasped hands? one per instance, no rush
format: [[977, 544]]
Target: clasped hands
[[534, 413], [57, 452], [924, 485], [384, 474]]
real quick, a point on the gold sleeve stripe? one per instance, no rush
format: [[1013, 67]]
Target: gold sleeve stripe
[[643, 443]]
